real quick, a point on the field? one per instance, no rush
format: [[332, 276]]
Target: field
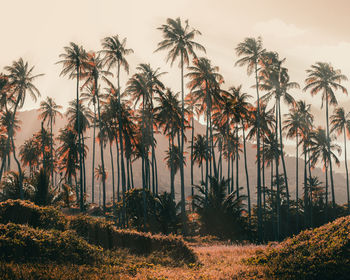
[[215, 262]]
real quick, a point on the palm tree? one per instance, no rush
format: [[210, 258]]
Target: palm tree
[[168, 116], [340, 122], [322, 77], [84, 116], [275, 80], [200, 151], [74, 62], [252, 50], [49, 110], [298, 121], [205, 86], [68, 154], [178, 39], [21, 79], [29, 153], [321, 149], [115, 52]]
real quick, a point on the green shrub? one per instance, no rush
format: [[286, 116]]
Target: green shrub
[[101, 232], [322, 253], [26, 212], [21, 243]]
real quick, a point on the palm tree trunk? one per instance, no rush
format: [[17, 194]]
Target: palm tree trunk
[[131, 174], [182, 175], [172, 189], [282, 157], [237, 161], [101, 151], [120, 126], [329, 153], [52, 161], [297, 182], [232, 169], [277, 175], [128, 173], [246, 172], [192, 138], [84, 170], [326, 210], [79, 143], [263, 186], [258, 155], [212, 146], [228, 170], [306, 188], [347, 172], [112, 167], [93, 158], [118, 169]]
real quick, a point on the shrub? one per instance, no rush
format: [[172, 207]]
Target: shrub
[[26, 212], [22, 243], [100, 232], [322, 253]]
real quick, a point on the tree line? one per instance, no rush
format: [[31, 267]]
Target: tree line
[[130, 116]]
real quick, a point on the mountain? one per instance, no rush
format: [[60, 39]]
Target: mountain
[[31, 124]]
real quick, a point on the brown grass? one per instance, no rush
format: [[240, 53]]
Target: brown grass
[[217, 262]]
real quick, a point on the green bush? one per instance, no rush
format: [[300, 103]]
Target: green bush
[[322, 253], [101, 232], [26, 212], [22, 243]]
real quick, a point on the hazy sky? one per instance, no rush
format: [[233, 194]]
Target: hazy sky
[[301, 31]]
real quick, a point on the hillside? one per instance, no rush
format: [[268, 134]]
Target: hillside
[[30, 124]]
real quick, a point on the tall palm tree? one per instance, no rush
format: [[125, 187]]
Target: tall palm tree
[[115, 52], [298, 120], [74, 62], [168, 117], [251, 50], [205, 86], [49, 110], [322, 77], [179, 40], [92, 72], [321, 149], [21, 79], [340, 123]]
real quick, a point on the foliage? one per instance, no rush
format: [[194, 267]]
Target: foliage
[[23, 243], [220, 214], [102, 233], [322, 253], [25, 212]]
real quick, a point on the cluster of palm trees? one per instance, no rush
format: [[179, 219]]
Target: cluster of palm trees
[[129, 117]]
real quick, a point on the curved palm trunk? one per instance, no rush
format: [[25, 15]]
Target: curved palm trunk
[[93, 158], [347, 172], [326, 211], [246, 172], [258, 155], [207, 150], [329, 154], [84, 170]]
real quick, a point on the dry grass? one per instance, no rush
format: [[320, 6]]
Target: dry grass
[[217, 262]]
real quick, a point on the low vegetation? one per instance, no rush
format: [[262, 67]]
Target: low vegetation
[[322, 253]]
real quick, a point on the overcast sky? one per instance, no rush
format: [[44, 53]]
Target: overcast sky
[[301, 31]]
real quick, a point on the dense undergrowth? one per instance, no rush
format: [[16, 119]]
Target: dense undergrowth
[[42, 234], [322, 253]]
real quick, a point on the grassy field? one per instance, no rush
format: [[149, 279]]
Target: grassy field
[[215, 262]]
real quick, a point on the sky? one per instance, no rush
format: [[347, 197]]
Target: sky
[[303, 32]]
